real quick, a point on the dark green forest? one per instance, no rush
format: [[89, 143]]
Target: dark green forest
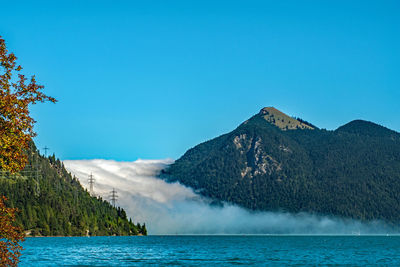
[[53, 203], [351, 172]]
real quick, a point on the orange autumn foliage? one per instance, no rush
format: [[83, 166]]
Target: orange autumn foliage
[[16, 131], [16, 124], [10, 236]]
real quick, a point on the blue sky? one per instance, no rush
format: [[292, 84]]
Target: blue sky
[[150, 79]]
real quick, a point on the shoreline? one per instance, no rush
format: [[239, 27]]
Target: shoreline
[[41, 236]]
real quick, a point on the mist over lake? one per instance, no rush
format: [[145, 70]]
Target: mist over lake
[[171, 208]]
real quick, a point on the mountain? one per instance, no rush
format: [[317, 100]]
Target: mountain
[[274, 162], [53, 203]]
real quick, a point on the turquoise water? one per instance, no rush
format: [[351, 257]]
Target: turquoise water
[[211, 250]]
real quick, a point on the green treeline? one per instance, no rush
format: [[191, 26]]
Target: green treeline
[[351, 172], [53, 203]]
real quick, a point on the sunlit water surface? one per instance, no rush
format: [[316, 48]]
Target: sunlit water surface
[[211, 250]]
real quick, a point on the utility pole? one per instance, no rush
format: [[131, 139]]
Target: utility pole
[[91, 183], [45, 151], [113, 197]]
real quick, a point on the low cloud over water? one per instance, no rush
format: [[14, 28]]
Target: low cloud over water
[[171, 208]]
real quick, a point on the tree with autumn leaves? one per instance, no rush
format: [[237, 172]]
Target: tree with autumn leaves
[[11, 236], [16, 131], [16, 124]]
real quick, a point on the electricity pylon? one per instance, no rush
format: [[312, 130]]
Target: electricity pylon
[[91, 183], [45, 151], [113, 197]]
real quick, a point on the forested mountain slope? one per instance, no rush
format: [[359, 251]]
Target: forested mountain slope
[[53, 203], [273, 163]]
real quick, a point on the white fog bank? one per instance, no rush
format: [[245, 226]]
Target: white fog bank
[[175, 209]]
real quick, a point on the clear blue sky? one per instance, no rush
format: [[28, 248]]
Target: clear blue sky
[[150, 79]]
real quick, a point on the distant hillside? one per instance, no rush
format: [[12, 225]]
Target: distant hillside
[[52, 203], [277, 163]]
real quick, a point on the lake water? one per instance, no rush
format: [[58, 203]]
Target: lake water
[[211, 250]]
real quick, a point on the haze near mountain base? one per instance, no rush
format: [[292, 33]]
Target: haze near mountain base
[[171, 208]]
